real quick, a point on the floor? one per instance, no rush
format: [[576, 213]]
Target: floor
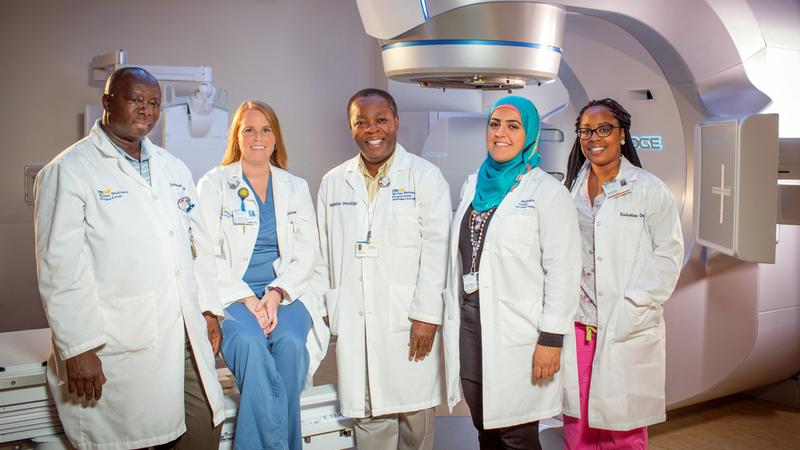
[[734, 422], [737, 422]]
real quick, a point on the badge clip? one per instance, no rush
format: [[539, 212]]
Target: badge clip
[[185, 204], [234, 182]]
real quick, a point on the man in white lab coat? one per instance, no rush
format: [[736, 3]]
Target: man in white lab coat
[[383, 219], [128, 281]]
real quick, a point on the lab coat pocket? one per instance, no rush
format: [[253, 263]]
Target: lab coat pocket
[[630, 231], [400, 298], [517, 321], [634, 320], [516, 234], [286, 246], [404, 227], [130, 324], [331, 305]]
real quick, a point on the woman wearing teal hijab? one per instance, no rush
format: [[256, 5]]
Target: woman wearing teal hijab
[[498, 175], [513, 281]]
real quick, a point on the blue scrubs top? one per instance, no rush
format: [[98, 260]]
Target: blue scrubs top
[[260, 272]]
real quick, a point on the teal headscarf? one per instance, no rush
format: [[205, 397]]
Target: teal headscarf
[[495, 179]]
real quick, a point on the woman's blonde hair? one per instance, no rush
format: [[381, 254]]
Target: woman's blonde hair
[[233, 153]]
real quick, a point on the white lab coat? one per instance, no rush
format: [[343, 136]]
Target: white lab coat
[[638, 257], [116, 274], [296, 228], [371, 301], [529, 281]]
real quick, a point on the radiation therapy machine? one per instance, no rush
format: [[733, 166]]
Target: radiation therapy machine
[[711, 88], [713, 100]]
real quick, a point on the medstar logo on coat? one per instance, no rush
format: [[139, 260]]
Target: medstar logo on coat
[[107, 194], [402, 194], [527, 203]]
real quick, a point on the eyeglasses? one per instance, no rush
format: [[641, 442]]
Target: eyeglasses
[[602, 131], [139, 102]]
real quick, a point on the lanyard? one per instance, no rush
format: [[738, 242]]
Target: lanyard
[[382, 183], [477, 225]]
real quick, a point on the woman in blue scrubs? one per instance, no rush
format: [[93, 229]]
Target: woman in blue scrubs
[[262, 220]]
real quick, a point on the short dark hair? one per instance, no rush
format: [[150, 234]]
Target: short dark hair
[[370, 92], [121, 74]]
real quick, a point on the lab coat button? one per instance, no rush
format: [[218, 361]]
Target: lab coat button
[[599, 223], [600, 293], [600, 259], [171, 233], [155, 197], [450, 317], [177, 272], [361, 313]]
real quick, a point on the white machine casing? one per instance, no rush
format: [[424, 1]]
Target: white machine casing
[[737, 190], [464, 47], [27, 411], [646, 56], [789, 181]]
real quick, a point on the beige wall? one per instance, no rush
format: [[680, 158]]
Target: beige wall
[[305, 57]]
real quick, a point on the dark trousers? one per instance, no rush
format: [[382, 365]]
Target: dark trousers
[[517, 437]]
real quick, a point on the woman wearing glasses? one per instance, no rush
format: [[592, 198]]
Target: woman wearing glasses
[[512, 285], [632, 256], [262, 222]]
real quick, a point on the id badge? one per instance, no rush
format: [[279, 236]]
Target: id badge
[[247, 217], [470, 282], [366, 249], [616, 188]]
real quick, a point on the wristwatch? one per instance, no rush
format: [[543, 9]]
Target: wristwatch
[[279, 291]]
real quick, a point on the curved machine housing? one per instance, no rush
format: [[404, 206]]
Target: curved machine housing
[[732, 325], [480, 46]]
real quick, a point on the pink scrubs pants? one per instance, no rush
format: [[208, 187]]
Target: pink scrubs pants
[[578, 434]]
